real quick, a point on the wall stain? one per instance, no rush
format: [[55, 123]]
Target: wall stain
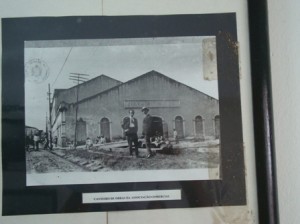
[[233, 215], [231, 43]]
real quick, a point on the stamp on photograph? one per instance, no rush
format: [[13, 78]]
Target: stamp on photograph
[[36, 70]]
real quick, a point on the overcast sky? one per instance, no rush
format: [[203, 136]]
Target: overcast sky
[[180, 61]]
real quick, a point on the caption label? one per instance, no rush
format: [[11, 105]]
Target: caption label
[[129, 196]]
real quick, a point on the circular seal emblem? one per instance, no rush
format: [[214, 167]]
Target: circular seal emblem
[[36, 70]]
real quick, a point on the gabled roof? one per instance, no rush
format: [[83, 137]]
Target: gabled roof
[[153, 73], [58, 91], [93, 79]]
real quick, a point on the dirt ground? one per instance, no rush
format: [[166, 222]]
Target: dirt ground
[[185, 155], [45, 162]]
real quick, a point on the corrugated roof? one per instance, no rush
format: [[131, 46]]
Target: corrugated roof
[[153, 72]]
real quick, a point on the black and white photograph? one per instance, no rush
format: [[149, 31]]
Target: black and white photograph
[[121, 110], [112, 113]]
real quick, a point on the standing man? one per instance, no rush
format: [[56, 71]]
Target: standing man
[[55, 141], [175, 136], [147, 130], [36, 139], [130, 127], [46, 142]]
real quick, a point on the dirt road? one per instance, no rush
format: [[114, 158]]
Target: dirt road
[[43, 161], [186, 155]]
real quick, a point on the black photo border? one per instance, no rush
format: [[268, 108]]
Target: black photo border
[[19, 199]]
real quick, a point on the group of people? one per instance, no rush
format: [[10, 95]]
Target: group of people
[[99, 140], [37, 139], [130, 126]]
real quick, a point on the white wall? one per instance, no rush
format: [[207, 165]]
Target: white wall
[[284, 25]]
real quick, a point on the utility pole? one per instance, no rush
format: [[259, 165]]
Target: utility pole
[[47, 133], [46, 127], [50, 115], [77, 78]]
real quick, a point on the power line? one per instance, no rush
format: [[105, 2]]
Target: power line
[[80, 74], [62, 66], [77, 77]]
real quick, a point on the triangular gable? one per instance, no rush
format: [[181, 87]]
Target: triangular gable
[[146, 75], [87, 89]]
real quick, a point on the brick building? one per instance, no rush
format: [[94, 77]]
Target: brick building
[[104, 102]]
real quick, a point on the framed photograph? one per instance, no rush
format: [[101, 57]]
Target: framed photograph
[[115, 113]]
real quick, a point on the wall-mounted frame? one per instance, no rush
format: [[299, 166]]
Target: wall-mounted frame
[[29, 45], [263, 115]]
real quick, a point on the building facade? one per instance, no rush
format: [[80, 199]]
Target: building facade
[[173, 105]]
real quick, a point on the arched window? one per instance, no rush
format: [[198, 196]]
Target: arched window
[[179, 126], [105, 128], [199, 127]]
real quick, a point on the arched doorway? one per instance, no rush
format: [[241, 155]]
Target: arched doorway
[[157, 126], [217, 126], [179, 126], [105, 128], [165, 130], [81, 132], [199, 127]]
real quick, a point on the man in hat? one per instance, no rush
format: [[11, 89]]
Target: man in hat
[[130, 127], [147, 130]]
